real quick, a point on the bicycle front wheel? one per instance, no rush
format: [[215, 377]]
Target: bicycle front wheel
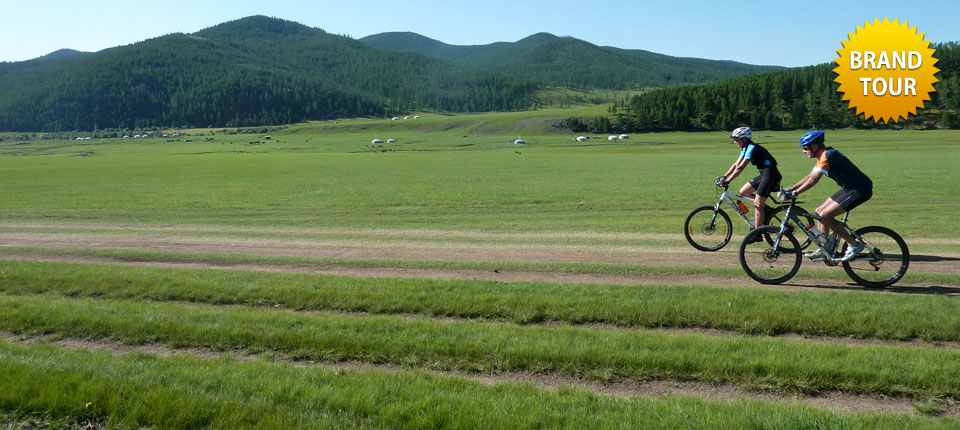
[[882, 262], [707, 230], [766, 263]]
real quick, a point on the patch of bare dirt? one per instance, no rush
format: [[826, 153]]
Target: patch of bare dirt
[[834, 401], [395, 232], [368, 249]]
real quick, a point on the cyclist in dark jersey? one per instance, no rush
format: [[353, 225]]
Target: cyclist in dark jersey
[[855, 188], [760, 187]]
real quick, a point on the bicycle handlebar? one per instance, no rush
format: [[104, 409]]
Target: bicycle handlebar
[[787, 194], [722, 182]]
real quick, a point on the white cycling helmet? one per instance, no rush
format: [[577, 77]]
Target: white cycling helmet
[[742, 132]]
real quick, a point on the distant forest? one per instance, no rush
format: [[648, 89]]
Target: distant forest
[[797, 98], [250, 72], [572, 63]]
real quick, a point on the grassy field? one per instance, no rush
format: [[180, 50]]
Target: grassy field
[[448, 180], [315, 279]]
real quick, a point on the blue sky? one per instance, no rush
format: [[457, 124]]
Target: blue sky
[[756, 32]]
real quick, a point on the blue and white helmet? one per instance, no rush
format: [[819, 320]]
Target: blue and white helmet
[[742, 132], [811, 137]]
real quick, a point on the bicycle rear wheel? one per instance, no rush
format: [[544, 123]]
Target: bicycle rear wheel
[[707, 230], [882, 266], [768, 264]]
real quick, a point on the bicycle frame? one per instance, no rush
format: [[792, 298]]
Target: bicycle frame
[[727, 196], [792, 216]]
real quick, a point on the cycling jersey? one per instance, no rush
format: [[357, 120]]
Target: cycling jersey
[[839, 168], [758, 155]]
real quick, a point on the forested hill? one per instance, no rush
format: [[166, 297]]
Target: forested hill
[[570, 62], [252, 71], [796, 98]]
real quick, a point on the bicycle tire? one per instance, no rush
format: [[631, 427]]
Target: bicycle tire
[[765, 264], [696, 225], [777, 214], [886, 244]]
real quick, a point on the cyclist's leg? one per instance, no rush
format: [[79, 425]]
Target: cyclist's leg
[[828, 212], [749, 189], [840, 202], [769, 180], [759, 211]]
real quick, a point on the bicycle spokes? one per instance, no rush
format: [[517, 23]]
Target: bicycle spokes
[[770, 262], [707, 229], [883, 261]]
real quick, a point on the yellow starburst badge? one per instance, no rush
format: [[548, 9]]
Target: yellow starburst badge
[[886, 70]]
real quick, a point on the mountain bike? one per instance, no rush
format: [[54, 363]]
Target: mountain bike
[[883, 261], [708, 228]]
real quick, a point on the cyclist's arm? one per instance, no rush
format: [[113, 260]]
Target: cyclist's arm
[[807, 182], [736, 168]]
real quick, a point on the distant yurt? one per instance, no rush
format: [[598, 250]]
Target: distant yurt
[[624, 136], [613, 137], [519, 141], [582, 138], [376, 141], [391, 140]]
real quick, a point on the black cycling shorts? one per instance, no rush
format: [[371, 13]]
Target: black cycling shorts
[[767, 182], [849, 199]]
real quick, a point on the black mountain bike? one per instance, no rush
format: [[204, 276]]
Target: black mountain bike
[[882, 262]]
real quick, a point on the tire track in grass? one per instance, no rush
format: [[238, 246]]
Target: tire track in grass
[[348, 231], [771, 364], [798, 283], [397, 232], [705, 331], [832, 401], [452, 313], [340, 248]]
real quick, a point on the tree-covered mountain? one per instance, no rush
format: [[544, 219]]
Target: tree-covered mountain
[[252, 71], [570, 62], [797, 98]]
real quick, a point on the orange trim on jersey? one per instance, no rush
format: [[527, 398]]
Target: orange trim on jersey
[[822, 163]]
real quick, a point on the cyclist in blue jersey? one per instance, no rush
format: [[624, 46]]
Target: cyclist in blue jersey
[[760, 187], [855, 188]]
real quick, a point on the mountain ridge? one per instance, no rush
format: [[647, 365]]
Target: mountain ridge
[[265, 71], [251, 71], [568, 61]]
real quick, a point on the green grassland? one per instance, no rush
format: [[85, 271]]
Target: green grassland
[[300, 316], [742, 310], [188, 392], [451, 173], [451, 180]]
